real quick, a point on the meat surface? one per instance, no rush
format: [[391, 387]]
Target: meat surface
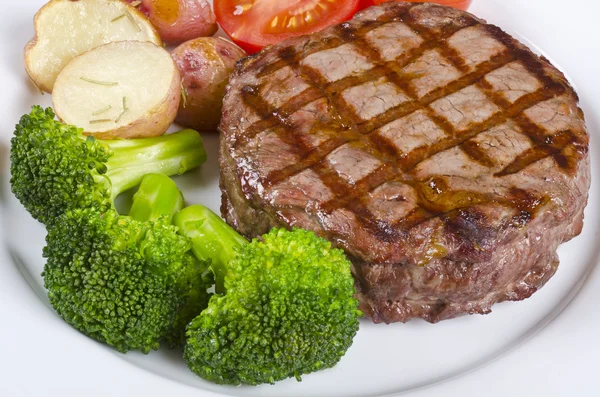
[[442, 155]]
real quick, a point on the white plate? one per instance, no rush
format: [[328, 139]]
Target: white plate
[[468, 356]]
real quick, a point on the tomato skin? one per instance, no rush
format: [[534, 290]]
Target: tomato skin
[[254, 24], [460, 4], [365, 4]]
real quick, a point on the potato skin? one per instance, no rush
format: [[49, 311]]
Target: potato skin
[[204, 65], [180, 20]]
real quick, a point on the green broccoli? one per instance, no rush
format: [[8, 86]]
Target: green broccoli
[[55, 168], [128, 281], [288, 307]]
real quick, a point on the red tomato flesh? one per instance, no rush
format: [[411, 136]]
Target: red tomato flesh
[[461, 4], [365, 4], [254, 24]]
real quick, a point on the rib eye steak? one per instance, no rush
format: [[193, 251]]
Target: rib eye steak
[[447, 159]]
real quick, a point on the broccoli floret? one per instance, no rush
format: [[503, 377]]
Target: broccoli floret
[[128, 281], [287, 309], [54, 167]]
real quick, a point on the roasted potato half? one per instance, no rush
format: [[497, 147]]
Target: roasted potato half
[[125, 89], [66, 28]]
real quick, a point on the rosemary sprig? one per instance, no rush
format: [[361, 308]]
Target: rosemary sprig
[[117, 18], [98, 81], [99, 121], [120, 116], [132, 20], [125, 109], [100, 111]]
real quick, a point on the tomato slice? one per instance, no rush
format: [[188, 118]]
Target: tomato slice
[[461, 4], [254, 24]]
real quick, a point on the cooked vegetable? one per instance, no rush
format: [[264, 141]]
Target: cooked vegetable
[[65, 29], [204, 65], [254, 24], [55, 168], [180, 20], [127, 89], [128, 281], [288, 307]]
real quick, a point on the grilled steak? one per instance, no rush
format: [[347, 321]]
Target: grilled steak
[[442, 155]]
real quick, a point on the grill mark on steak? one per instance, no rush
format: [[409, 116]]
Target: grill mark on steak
[[477, 154], [544, 146], [316, 159], [459, 137], [553, 146], [393, 70], [394, 113], [270, 117], [442, 45], [269, 120], [347, 197], [400, 209], [341, 189], [406, 164], [288, 57], [351, 198], [529, 59], [330, 42]]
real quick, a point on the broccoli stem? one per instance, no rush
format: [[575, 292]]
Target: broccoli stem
[[157, 196], [169, 154], [211, 238]]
